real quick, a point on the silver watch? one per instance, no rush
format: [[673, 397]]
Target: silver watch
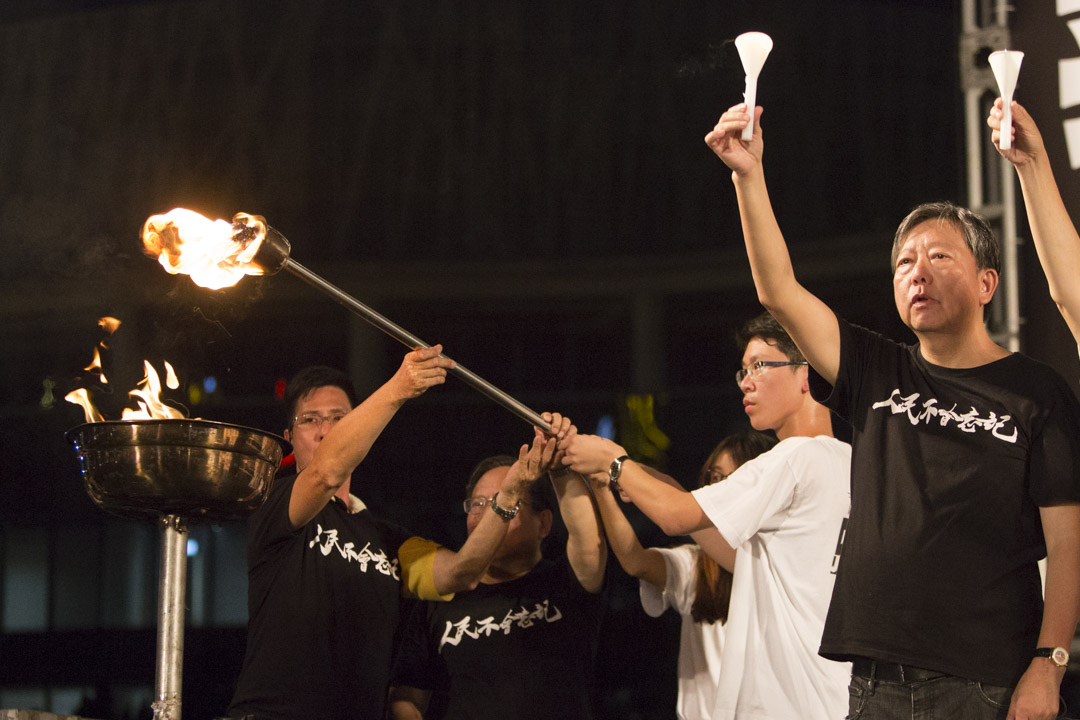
[[616, 468], [505, 513]]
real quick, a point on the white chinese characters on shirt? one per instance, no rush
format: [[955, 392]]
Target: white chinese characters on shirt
[[1000, 427], [522, 618], [326, 541]]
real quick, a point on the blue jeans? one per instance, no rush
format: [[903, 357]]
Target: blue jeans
[[942, 697]]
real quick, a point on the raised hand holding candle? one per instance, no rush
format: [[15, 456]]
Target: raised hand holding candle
[[1006, 67], [753, 48]]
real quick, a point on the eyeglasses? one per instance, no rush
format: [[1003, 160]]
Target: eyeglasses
[[475, 504], [312, 420], [755, 370], [715, 475]]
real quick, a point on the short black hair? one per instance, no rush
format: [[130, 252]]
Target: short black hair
[[541, 494], [765, 327], [312, 378]]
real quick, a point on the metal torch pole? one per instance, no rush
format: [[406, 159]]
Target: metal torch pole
[[409, 340], [172, 586]]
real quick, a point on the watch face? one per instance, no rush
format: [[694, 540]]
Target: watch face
[[1060, 656]]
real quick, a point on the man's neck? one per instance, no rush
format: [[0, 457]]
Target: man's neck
[[960, 350], [811, 420]]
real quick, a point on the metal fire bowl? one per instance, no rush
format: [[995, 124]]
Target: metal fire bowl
[[196, 469]]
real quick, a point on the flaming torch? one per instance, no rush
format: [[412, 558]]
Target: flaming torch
[[217, 254]]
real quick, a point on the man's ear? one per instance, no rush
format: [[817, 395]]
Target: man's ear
[[988, 282]]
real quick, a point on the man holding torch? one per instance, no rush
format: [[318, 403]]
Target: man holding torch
[[963, 472], [521, 644], [326, 576]]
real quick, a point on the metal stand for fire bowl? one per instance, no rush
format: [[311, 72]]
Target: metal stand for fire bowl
[[172, 472]]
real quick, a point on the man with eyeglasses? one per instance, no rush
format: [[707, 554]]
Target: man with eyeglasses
[[325, 576], [520, 645], [776, 523], [964, 472]]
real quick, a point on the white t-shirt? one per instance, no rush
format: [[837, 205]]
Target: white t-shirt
[[700, 644], [784, 512]]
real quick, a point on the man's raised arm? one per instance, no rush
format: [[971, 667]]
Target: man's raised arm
[[586, 548], [1056, 240], [347, 443], [810, 322], [463, 569]]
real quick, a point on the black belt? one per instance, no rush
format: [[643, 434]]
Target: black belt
[[891, 672]]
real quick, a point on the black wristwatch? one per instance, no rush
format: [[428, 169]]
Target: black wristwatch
[[616, 468], [1058, 655], [505, 513]]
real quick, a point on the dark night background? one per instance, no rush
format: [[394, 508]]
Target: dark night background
[[524, 182]]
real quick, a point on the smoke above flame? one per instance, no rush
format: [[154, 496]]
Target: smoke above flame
[[215, 253]]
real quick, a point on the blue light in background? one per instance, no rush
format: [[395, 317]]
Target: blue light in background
[[605, 427], [209, 383], [192, 547]]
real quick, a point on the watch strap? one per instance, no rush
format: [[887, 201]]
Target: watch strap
[[1057, 655]]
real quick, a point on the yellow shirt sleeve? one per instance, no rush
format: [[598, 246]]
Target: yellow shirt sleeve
[[417, 559]]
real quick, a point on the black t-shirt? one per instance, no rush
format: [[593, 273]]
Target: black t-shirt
[[517, 650], [323, 606], [949, 468]]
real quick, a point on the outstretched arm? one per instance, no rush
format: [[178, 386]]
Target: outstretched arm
[[673, 509], [711, 542], [585, 546], [1054, 233], [462, 570], [348, 442], [809, 321], [644, 563]]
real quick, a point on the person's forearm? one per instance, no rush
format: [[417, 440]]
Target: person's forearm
[[635, 560], [1061, 605], [462, 570], [349, 442], [585, 546], [675, 511], [1055, 237], [770, 263]]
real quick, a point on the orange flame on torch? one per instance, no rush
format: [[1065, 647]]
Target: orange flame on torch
[[215, 253]]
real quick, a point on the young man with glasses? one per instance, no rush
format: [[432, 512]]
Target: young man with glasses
[[520, 645], [325, 576], [776, 523], [964, 472]]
